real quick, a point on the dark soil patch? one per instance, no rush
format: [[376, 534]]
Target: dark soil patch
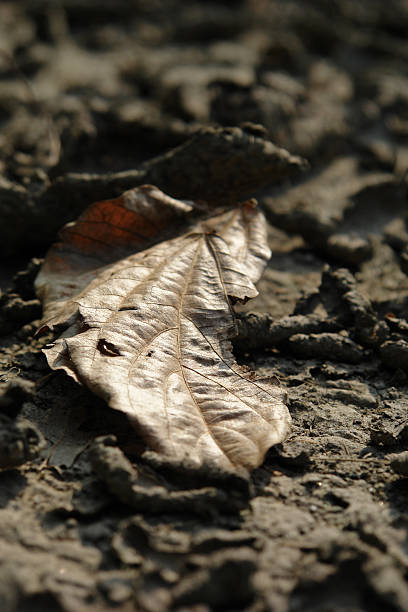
[[93, 100]]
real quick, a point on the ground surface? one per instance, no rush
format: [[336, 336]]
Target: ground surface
[[323, 525]]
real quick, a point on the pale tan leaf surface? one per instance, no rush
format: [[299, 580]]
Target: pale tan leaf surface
[[150, 334], [105, 232], [244, 230]]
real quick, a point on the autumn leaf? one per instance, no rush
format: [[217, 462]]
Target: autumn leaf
[[148, 327]]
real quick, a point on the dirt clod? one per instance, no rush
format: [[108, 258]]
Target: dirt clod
[[399, 463], [20, 441], [14, 394]]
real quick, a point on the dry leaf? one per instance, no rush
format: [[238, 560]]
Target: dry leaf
[[149, 331]]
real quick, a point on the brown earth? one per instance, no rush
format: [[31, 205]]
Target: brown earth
[[90, 94]]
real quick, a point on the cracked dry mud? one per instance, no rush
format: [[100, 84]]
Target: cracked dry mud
[[91, 99]]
